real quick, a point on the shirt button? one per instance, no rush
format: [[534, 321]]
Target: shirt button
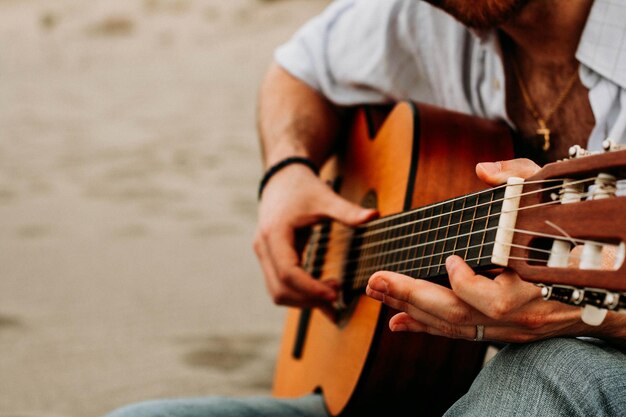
[[496, 84]]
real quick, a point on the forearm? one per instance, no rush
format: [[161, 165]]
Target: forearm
[[294, 119]]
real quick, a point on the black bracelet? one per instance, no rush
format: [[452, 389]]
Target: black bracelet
[[282, 164]]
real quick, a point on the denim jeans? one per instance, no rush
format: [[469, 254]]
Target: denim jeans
[[555, 377], [308, 406]]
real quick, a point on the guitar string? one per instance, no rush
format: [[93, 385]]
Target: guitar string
[[346, 232], [479, 258], [358, 275], [453, 200], [360, 281], [382, 243], [433, 230], [373, 268], [477, 193], [431, 256], [392, 251]]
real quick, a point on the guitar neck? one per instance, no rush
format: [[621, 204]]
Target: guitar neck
[[415, 242]]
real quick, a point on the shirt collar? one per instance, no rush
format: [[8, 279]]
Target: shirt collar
[[602, 46]]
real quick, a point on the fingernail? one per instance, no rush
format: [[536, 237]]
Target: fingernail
[[399, 328], [491, 168], [451, 261], [378, 284]]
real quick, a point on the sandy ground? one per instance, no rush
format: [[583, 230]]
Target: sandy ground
[[128, 171]]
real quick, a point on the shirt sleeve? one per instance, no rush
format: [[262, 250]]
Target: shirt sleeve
[[359, 51]]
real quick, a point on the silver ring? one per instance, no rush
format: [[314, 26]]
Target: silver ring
[[480, 332]]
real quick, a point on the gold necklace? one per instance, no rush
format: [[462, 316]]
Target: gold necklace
[[542, 120]]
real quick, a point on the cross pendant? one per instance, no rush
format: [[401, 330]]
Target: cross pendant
[[545, 132]]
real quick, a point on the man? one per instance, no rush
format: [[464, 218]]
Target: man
[[555, 70]]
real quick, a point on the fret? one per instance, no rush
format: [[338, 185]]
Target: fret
[[484, 234], [442, 237], [431, 237], [464, 229], [492, 224], [470, 252], [382, 245], [354, 265], [457, 210], [403, 247], [419, 241], [375, 248], [415, 240], [391, 247], [385, 244], [368, 253], [427, 215], [405, 243]]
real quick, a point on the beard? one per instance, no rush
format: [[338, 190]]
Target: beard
[[480, 14]]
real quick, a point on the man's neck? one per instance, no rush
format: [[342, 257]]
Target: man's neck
[[548, 35]]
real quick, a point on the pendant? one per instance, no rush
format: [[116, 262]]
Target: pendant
[[545, 132]]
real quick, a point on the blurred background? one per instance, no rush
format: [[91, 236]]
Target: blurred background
[[129, 164]]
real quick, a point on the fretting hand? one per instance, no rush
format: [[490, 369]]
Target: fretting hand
[[510, 309]]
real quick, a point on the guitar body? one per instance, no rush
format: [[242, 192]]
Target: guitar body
[[420, 155]]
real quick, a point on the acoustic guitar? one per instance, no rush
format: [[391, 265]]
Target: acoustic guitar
[[416, 165]]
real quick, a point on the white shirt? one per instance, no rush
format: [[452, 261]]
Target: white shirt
[[376, 51]]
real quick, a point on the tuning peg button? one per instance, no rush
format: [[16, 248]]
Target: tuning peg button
[[546, 291], [577, 151], [577, 296], [609, 145]]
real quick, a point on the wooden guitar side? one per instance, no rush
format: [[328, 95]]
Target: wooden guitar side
[[420, 155]]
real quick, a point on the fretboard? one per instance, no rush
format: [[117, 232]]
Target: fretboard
[[417, 242]]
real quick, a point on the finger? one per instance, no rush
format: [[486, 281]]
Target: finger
[[403, 322], [281, 294], [289, 273], [284, 295], [494, 298], [419, 321], [344, 211], [496, 173], [405, 294]]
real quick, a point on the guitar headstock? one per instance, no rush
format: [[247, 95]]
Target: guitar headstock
[[570, 231]]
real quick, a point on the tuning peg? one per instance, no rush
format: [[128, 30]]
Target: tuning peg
[[577, 151], [609, 146], [612, 300]]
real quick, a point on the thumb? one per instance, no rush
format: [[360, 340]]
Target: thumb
[[496, 173], [347, 212]]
